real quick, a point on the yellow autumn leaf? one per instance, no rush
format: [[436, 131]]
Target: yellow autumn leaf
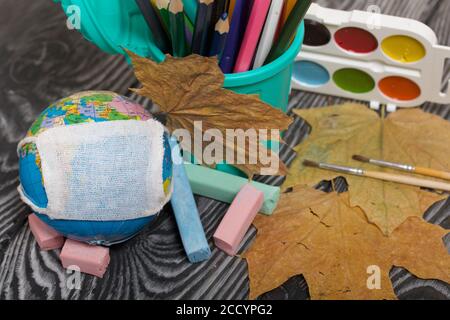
[[191, 90], [337, 250], [406, 136]]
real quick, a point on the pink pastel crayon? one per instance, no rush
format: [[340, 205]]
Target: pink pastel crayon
[[252, 34], [46, 237], [238, 219], [89, 259]]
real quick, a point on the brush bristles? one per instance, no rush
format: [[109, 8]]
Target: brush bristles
[[360, 158], [309, 163]]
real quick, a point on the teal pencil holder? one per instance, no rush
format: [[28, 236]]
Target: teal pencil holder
[[116, 24], [271, 82]]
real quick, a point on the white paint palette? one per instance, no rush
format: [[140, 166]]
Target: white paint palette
[[365, 56]]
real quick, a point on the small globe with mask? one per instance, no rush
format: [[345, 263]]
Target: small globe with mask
[[94, 108]]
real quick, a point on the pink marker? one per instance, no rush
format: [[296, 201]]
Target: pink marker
[[238, 219], [252, 34]]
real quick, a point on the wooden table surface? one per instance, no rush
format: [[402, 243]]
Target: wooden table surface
[[42, 61]]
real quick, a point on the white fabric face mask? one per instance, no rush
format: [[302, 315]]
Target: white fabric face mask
[[103, 171]]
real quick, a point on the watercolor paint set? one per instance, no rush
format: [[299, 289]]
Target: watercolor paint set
[[373, 57]]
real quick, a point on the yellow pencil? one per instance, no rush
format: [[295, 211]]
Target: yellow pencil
[[288, 6]]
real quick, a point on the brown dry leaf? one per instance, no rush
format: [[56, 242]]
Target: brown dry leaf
[[190, 89], [408, 136], [332, 244]]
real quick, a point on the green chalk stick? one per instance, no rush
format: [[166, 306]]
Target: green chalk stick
[[224, 187]]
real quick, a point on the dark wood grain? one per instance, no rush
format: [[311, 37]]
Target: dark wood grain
[[41, 61]]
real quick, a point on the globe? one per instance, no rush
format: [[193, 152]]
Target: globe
[[90, 106]]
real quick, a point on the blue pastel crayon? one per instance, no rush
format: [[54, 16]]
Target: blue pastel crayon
[[186, 212]]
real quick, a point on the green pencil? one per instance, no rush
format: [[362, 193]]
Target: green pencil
[[176, 18], [162, 10], [289, 29]]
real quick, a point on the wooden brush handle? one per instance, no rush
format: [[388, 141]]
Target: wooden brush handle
[[408, 180], [433, 173]]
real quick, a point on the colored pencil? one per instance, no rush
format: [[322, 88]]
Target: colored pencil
[[202, 26], [385, 176], [161, 7], [220, 36], [287, 8], [176, 17], [188, 30], [252, 34], [218, 9], [231, 9], [268, 34], [289, 30], [238, 25], [405, 167], [220, 6], [289, 5], [157, 30], [189, 25], [190, 9]]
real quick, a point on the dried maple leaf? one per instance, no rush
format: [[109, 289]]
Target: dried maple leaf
[[333, 245], [407, 136], [191, 89]]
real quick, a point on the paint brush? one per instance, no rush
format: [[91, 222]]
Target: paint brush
[[405, 167], [391, 177]]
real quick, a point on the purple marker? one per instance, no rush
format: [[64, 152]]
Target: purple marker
[[239, 22]]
